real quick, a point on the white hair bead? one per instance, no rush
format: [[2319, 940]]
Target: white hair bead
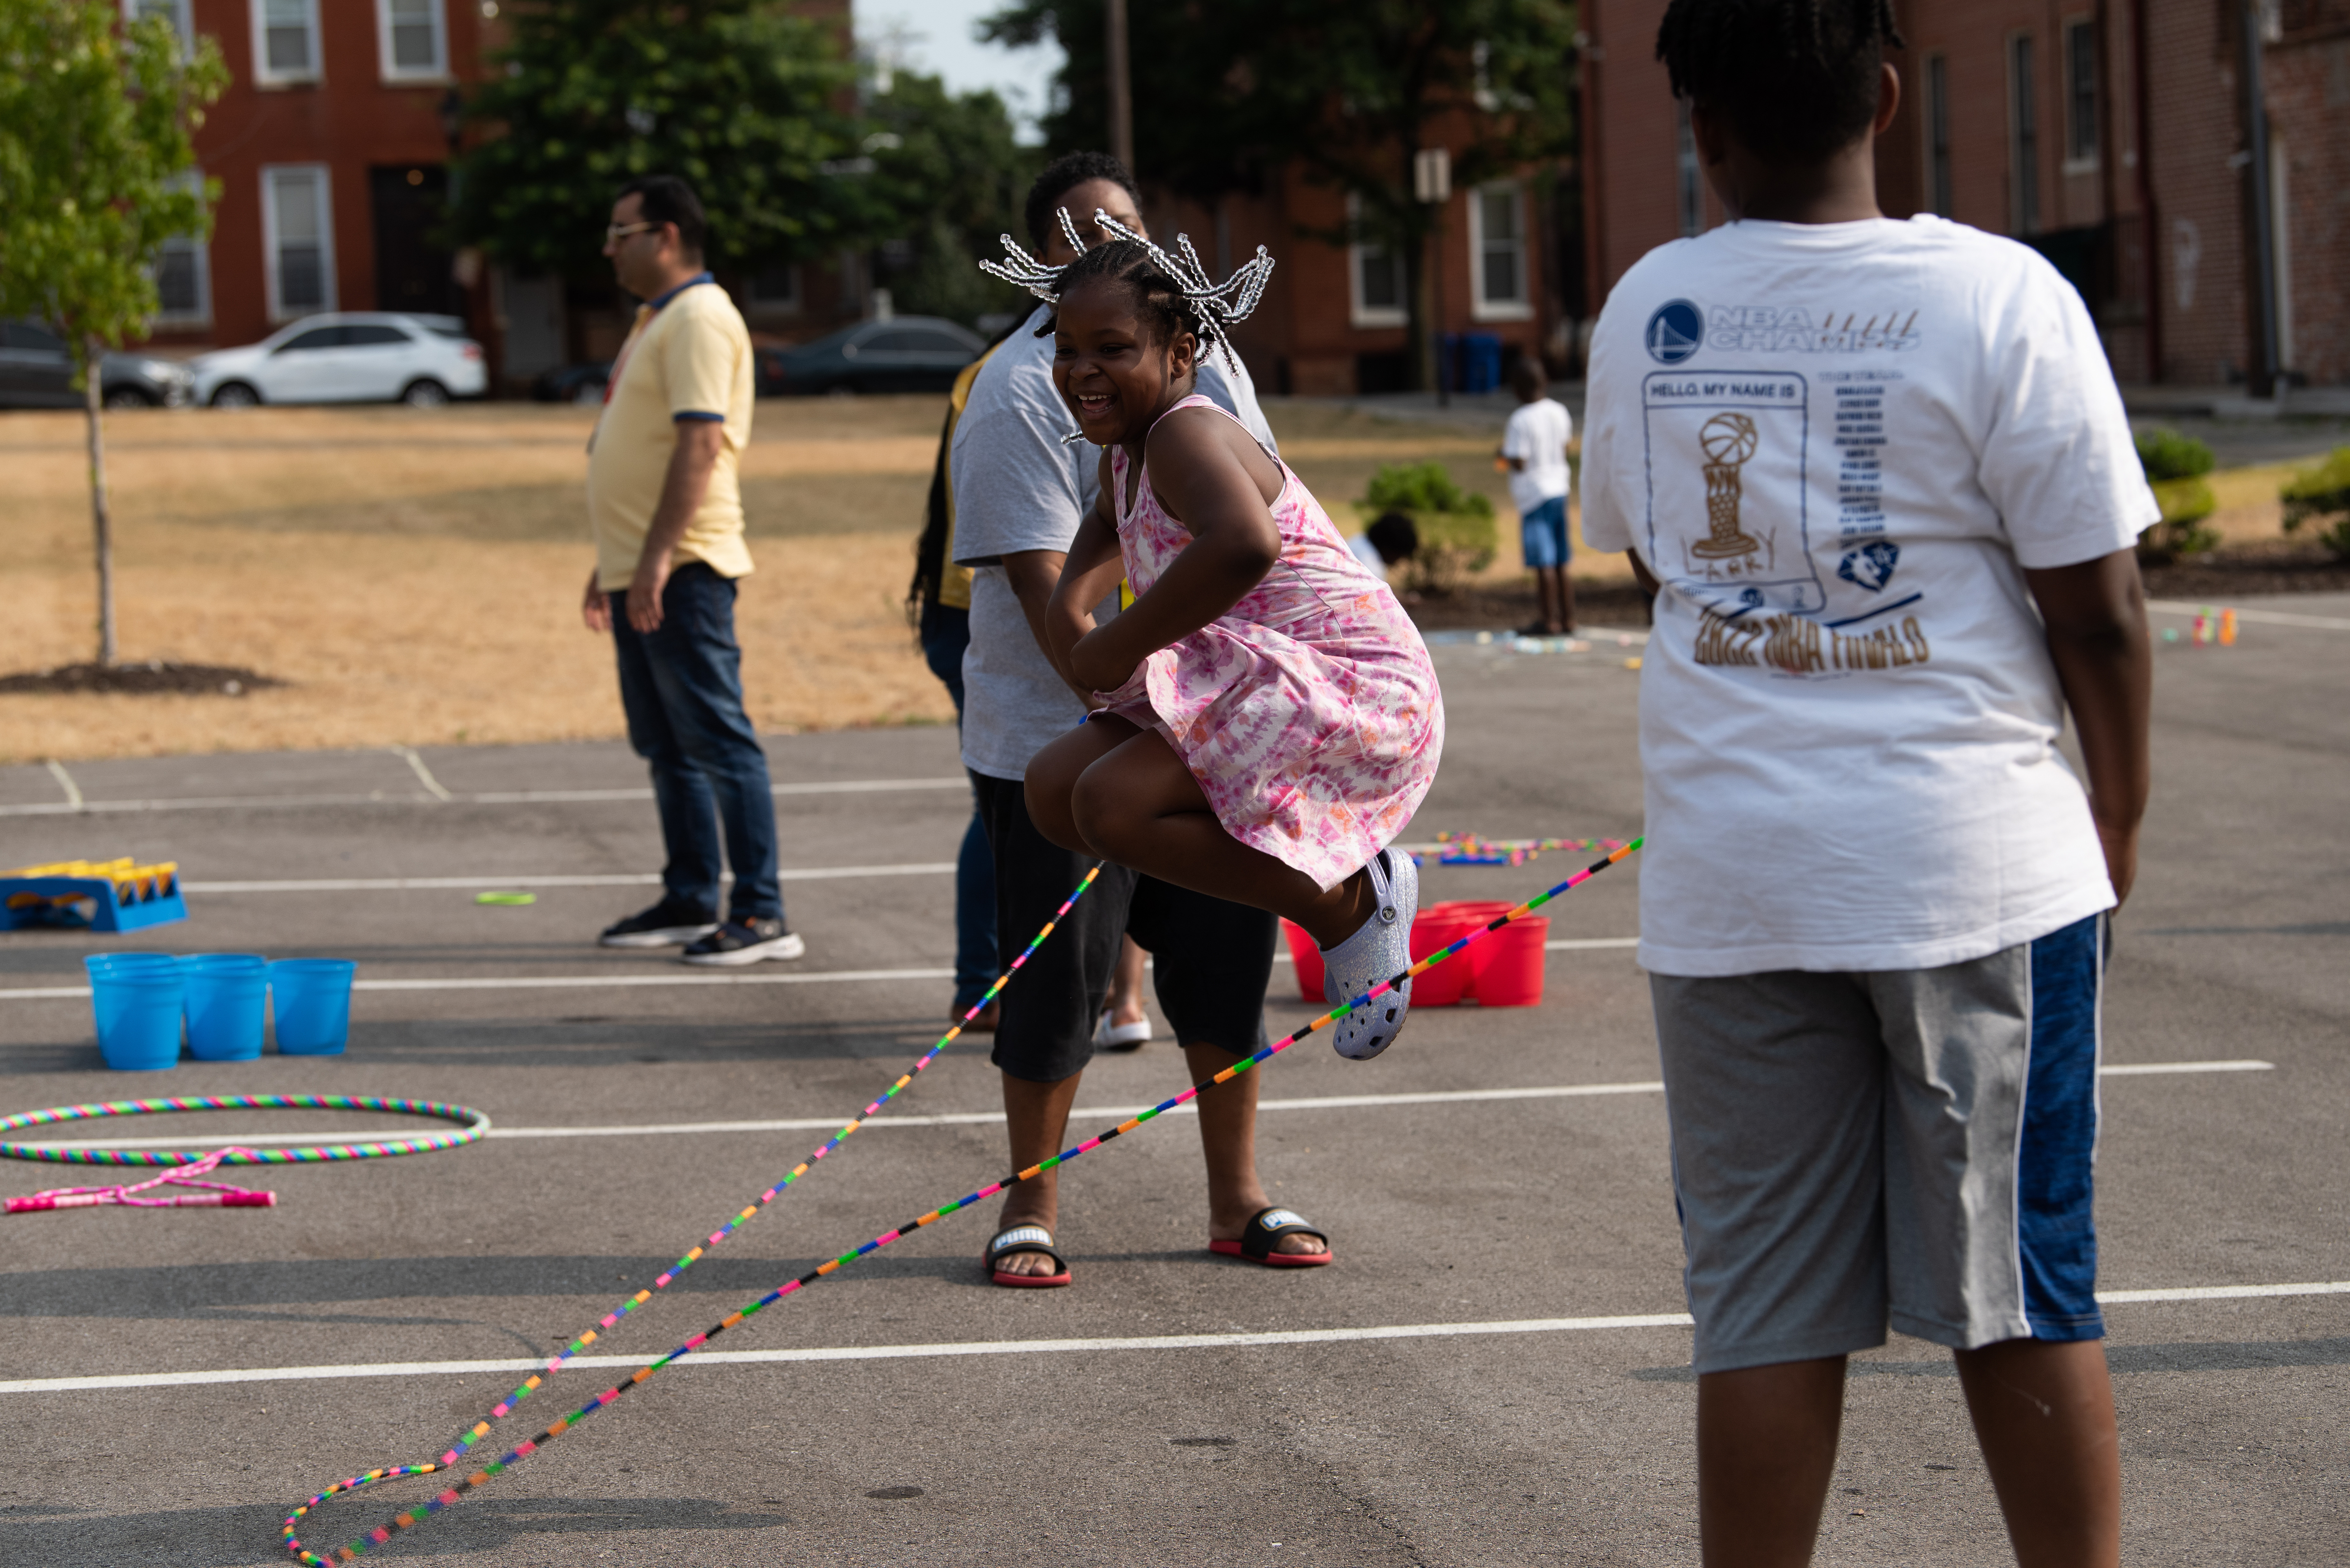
[[1220, 305]]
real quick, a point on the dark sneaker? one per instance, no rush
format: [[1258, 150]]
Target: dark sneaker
[[745, 942], [665, 925]]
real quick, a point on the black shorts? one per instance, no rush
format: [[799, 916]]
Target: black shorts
[[1212, 960]]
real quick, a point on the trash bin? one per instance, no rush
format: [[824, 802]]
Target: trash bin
[[1480, 362]]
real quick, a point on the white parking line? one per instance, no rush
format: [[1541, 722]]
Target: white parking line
[[680, 976], [486, 797], [677, 975], [432, 786], [612, 879], [721, 1358], [2267, 618], [65, 782], [1081, 1114]]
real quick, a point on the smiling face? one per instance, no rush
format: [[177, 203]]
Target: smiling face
[[1115, 366]]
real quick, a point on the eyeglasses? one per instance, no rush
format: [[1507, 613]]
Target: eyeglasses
[[614, 233]]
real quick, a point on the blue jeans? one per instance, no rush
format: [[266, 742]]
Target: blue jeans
[[681, 687], [946, 632]]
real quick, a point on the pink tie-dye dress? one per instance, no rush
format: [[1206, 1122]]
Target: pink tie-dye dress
[[1309, 712]]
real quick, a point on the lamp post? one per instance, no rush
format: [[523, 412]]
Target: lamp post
[[1431, 186], [1121, 87]]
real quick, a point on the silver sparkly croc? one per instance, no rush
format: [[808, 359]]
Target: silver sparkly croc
[[1379, 951]]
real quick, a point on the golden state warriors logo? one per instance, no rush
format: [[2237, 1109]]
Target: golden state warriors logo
[[1675, 331]]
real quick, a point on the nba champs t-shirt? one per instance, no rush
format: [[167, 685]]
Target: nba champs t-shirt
[[1837, 447]]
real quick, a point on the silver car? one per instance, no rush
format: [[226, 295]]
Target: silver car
[[348, 357], [37, 372]]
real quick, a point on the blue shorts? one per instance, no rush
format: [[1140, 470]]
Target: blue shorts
[[1544, 533], [1912, 1146]]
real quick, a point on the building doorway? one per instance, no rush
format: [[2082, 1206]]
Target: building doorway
[[411, 207]]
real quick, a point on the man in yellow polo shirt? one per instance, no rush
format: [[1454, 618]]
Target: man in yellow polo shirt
[[666, 506]]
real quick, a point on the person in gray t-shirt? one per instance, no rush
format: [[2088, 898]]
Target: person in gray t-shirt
[[1019, 490]]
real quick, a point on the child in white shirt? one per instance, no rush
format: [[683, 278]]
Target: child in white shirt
[[1879, 476], [1534, 446]]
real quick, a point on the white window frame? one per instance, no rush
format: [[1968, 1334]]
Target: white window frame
[[773, 305], [202, 315], [2067, 30], [2025, 127], [1934, 101], [278, 313], [437, 71], [264, 77], [1368, 317], [1480, 307], [183, 23]]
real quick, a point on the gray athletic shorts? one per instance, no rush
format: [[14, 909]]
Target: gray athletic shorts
[[1912, 1145]]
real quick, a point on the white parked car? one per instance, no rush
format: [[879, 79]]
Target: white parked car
[[348, 358]]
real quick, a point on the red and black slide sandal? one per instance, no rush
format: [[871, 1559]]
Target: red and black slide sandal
[[1267, 1226], [1025, 1238]]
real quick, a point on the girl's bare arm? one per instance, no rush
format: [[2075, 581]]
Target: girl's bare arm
[[1092, 570], [1218, 485]]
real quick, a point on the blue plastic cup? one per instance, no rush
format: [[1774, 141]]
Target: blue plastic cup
[[127, 962], [312, 999], [228, 998], [138, 1006]]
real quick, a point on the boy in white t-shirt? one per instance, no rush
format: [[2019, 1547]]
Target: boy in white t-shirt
[[1533, 447], [1879, 476]]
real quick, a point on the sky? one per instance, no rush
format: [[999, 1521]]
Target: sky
[[935, 36]]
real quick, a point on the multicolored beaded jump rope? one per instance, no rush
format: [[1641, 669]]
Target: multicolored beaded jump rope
[[408, 1518], [506, 1405]]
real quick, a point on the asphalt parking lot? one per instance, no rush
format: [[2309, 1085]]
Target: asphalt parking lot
[[1492, 1373]]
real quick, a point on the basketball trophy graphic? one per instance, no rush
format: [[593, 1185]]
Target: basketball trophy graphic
[[1729, 440]]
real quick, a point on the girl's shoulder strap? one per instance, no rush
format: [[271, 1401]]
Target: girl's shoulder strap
[[1201, 400], [1196, 400]]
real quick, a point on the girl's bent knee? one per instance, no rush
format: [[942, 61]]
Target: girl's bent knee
[[1097, 816]]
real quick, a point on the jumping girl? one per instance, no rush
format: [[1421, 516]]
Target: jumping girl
[[1268, 717]]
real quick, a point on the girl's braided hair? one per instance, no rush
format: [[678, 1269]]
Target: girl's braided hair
[[1172, 291], [1796, 80]]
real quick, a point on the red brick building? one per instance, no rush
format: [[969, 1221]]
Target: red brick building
[[2171, 157], [1333, 322], [332, 146]]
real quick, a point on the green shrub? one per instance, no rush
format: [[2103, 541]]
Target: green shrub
[[2319, 493], [2184, 504], [1457, 534], [2166, 454]]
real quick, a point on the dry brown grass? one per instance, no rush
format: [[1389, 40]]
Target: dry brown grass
[[413, 575]]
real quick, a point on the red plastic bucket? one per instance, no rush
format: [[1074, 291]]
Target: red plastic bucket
[[1437, 927], [1512, 974], [1457, 978], [1308, 958]]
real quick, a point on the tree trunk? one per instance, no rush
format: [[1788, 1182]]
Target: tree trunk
[[94, 406]]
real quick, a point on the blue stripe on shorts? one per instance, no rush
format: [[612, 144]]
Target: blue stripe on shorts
[[2056, 1235]]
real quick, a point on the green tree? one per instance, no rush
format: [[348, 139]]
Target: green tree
[[741, 98], [97, 128], [948, 179], [1228, 91]]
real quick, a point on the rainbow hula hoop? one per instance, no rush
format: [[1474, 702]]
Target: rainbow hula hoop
[[408, 1518], [473, 1125]]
